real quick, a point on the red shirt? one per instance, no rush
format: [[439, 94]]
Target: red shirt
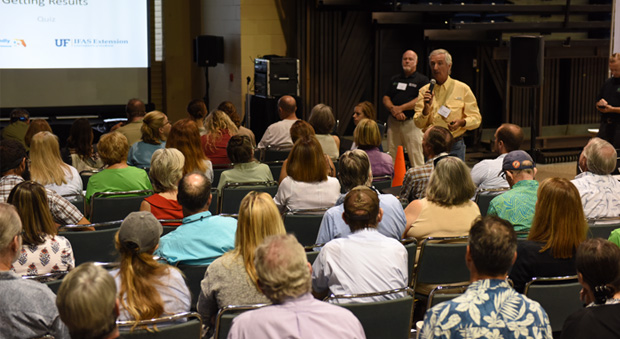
[[163, 208], [216, 152]]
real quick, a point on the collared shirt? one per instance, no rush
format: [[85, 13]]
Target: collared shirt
[[416, 179], [485, 174], [458, 98], [362, 262], [199, 240], [62, 210], [278, 134], [392, 225], [600, 194], [517, 205], [302, 317], [28, 309], [403, 89], [245, 172], [488, 309], [380, 163]]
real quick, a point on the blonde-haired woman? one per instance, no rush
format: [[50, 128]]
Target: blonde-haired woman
[[47, 167], [155, 129], [166, 172], [43, 250], [231, 279], [447, 210], [558, 227], [368, 138], [219, 130], [146, 288]]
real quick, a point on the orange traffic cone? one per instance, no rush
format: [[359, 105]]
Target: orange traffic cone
[[399, 168]]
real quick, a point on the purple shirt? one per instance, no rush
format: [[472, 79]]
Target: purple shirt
[[380, 163], [303, 317]]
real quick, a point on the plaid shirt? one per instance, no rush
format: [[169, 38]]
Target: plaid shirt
[[62, 210], [416, 179]]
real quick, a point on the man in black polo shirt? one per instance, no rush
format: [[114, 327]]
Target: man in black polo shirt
[[400, 100], [609, 104]]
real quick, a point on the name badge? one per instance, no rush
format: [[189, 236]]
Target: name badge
[[401, 86], [444, 111]]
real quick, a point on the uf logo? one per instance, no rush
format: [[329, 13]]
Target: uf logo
[[62, 42]]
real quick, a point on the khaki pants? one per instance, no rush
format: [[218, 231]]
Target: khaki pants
[[406, 134]]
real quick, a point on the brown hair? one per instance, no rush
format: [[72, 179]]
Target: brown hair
[[36, 126], [366, 134], [306, 161], [230, 109], [559, 220], [30, 200], [81, 138], [185, 137], [301, 129], [151, 124], [322, 119], [368, 109]]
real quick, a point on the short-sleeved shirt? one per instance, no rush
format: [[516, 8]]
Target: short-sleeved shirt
[[404, 88], [517, 205], [118, 180]]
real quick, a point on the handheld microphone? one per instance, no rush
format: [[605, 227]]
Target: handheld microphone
[[431, 87]]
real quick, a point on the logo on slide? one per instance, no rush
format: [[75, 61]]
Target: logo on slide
[[62, 42], [12, 43]]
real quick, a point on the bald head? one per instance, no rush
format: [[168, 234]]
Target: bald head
[[287, 107], [508, 138], [598, 157], [194, 193], [410, 62]]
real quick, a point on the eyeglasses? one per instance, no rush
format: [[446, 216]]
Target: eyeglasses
[[503, 175]]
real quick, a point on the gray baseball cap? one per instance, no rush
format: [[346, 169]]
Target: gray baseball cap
[[141, 229]]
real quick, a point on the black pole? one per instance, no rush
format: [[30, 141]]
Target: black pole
[[206, 97]]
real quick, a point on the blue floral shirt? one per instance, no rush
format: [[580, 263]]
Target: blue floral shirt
[[488, 309], [517, 205]]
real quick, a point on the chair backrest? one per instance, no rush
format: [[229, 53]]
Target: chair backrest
[[234, 192], [98, 226], [217, 173], [108, 206], [193, 276], [85, 175], [52, 280], [558, 296], [602, 227], [304, 224], [484, 197], [441, 261], [440, 294], [411, 245], [275, 154], [382, 182], [225, 317], [215, 201], [189, 329], [312, 256], [95, 245], [276, 168], [383, 319]]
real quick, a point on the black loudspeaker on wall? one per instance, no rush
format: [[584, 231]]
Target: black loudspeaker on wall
[[208, 50], [526, 60]]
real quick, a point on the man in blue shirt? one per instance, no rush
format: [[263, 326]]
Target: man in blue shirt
[[490, 308], [202, 237]]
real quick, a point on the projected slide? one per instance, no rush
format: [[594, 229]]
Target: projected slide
[[73, 34]]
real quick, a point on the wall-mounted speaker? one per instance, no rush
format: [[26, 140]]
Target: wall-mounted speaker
[[526, 60], [208, 50]]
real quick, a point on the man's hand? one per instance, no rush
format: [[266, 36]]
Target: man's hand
[[428, 101], [400, 117], [456, 124], [115, 127]]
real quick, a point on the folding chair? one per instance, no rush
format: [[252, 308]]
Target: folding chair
[[440, 294], [276, 168], [215, 194], [225, 317], [95, 245], [382, 182], [52, 280], [189, 329], [312, 252], [382, 319], [484, 197], [217, 173], [273, 154], [234, 192], [98, 226], [304, 224], [441, 262], [558, 296], [602, 227], [411, 245], [193, 276], [107, 206], [85, 175]]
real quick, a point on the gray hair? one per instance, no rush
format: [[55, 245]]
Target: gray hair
[[601, 156], [10, 225], [442, 51], [166, 169], [354, 169]]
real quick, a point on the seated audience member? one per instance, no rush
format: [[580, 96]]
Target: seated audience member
[[246, 168], [132, 129], [447, 210], [355, 171], [165, 173], [48, 169], [184, 136], [197, 111], [80, 152], [117, 176], [43, 250], [558, 228], [517, 204], [219, 130], [230, 109], [16, 130], [598, 269], [323, 121], [28, 307], [507, 138], [36, 126], [364, 110], [231, 279], [87, 303], [599, 190], [301, 129], [307, 185], [155, 129], [489, 307], [436, 142], [14, 169], [284, 275], [367, 138], [146, 288], [277, 134], [202, 237], [364, 261]]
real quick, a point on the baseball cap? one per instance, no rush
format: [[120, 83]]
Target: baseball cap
[[517, 160], [142, 230]]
